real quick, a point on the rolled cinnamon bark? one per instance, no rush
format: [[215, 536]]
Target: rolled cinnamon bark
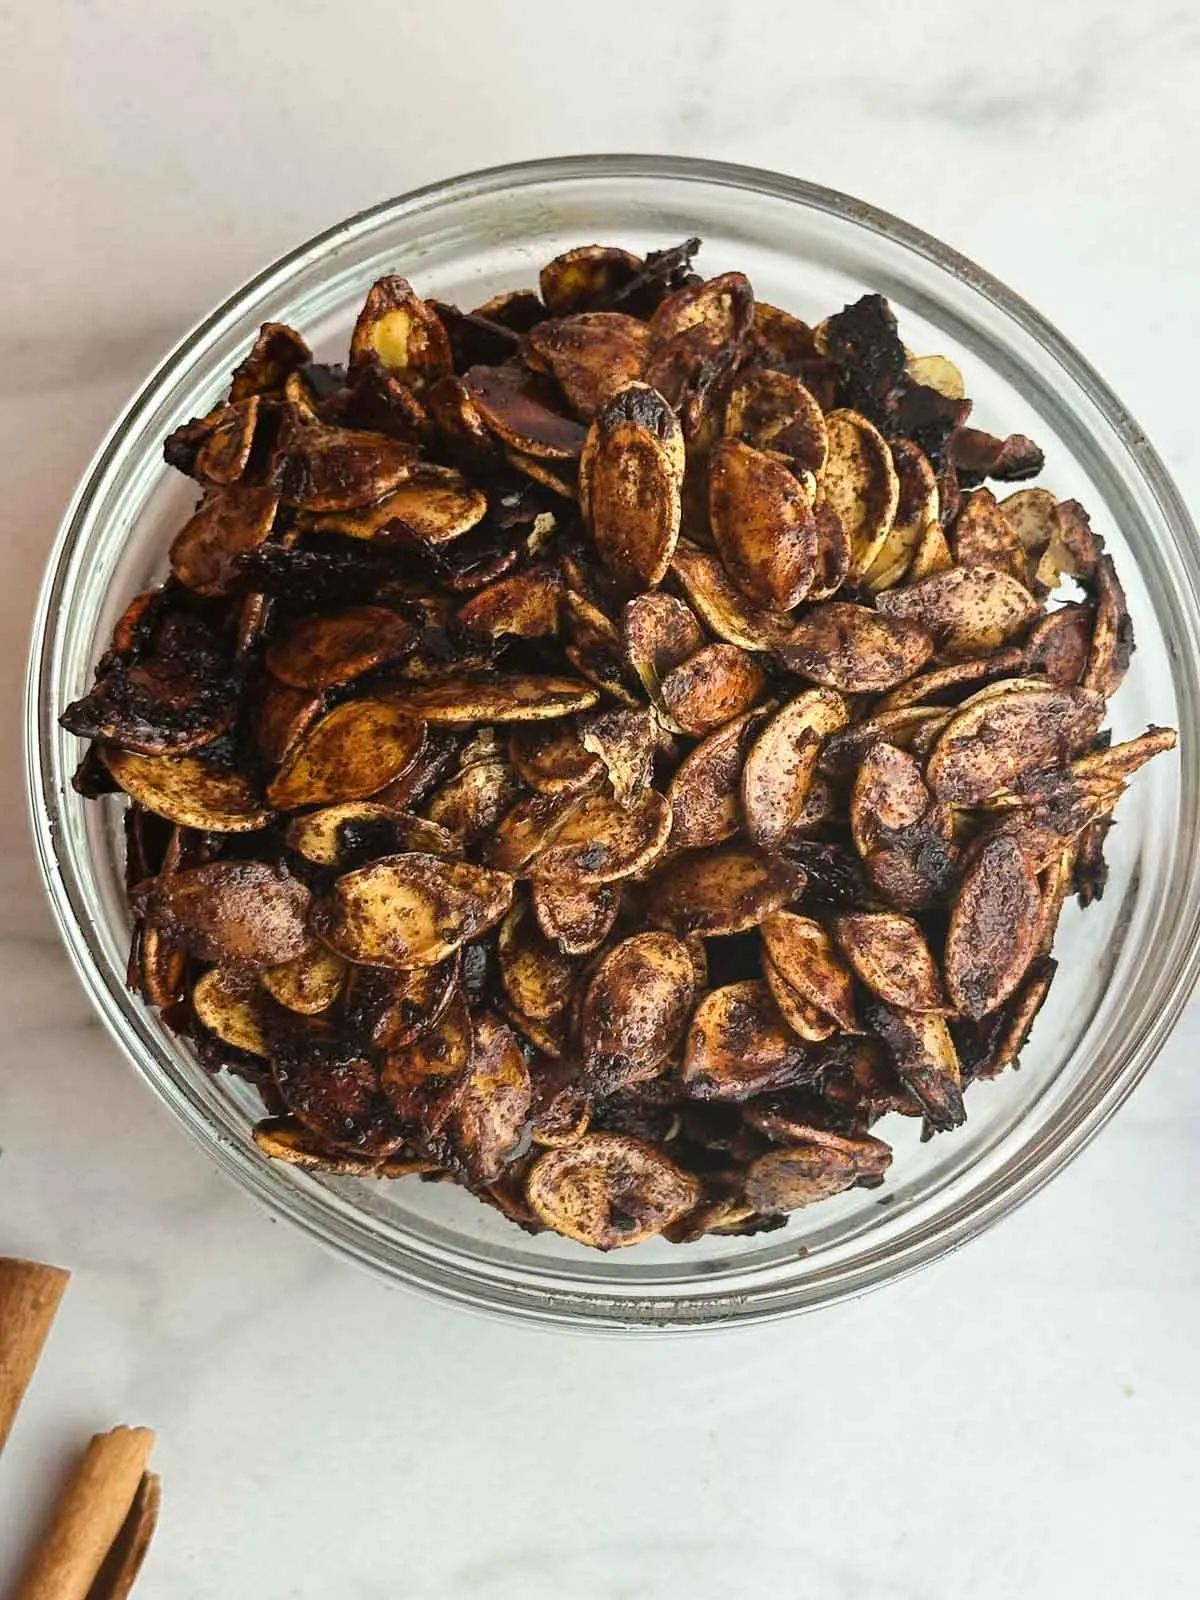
[[90, 1513], [29, 1296], [124, 1561]]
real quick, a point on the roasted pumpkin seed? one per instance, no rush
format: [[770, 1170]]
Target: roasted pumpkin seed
[[762, 520], [492, 1113], [889, 953], [782, 763], [235, 913], [411, 910], [320, 652], [350, 753], [968, 611], [725, 890], [577, 920], [806, 958], [635, 1010], [608, 1190], [184, 790], [710, 688], [854, 649], [995, 927], [738, 1045], [630, 479]]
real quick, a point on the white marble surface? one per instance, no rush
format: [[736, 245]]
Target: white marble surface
[[1018, 1421]]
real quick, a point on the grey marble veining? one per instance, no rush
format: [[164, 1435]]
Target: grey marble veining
[[1019, 1420]]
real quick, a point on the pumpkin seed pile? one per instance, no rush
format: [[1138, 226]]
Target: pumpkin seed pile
[[610, 747]]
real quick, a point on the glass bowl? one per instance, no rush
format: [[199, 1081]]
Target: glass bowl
[[1126, 966]]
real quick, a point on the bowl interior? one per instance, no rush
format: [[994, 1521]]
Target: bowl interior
[[1123, 965]]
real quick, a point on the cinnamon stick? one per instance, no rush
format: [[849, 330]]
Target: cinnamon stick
[[124, 1561], [90, 1513], [29, 1296]]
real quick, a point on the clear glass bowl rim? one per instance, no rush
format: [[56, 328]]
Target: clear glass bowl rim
[[254, 1173]]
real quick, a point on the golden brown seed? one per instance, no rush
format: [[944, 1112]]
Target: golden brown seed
[[969, 611], [658, 633], [225, 454], [991, 742], [471, 803], [807, 959], [995, 927], [854, 649], [805, 1020], [777, 337], [186, 791], [1121, 761], [625, 743], [608, 1190], [325, 469], [782, 763], [411, 910], [591, 355], [932, 553], [738, 1045], [602, 841], [552, 758], [724, 890], [524, 606], [537, 978], [889, 954], [436, 505], [499, 697], [396, 1007], [705, 793], [329, 835], [723, 608], [320, 652], [159, 967], [226, 524], [710, 688], [916, 508], [914, 728], [859, 481], [925, 1058], [578, 920], [635, 1009], [925, 688], [510, 404], [287, 1139], [237, 913], [1112, 637], [1033, 516], [227, 1006], [528, 828], [889, 793], [492, 1113], [786, 1180], [939, 373], [581, 277], [762, 520], [276, 352], [722, 307], [402, 331], [984, 537], [631, 476], [425, 1079], [309, 983], [774, 411], [283, 715], [350, 753]]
